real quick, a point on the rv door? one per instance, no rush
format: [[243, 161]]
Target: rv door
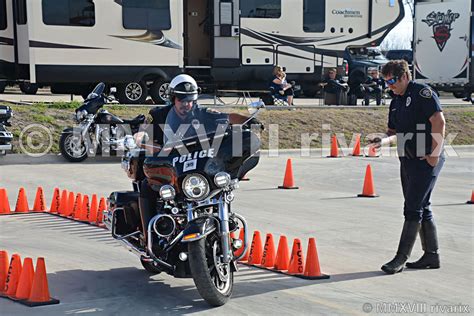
[[442, 42], [7, 55], [226, 33]]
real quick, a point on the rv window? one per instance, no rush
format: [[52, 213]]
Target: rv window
[[69, 12], [21, 12], [314, 15], [3, 14], [151, 15], [269, 9]]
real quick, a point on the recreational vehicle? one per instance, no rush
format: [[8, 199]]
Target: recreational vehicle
[[139, 45], [442, 44]]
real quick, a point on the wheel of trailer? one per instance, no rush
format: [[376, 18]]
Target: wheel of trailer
[[213, 278], [159, 91], [132, 92], [3, 84], [28, 88], [150, 267], [72, 147], [458, 95]]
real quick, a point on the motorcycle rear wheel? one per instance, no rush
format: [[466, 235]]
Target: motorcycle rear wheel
[[202, 263]]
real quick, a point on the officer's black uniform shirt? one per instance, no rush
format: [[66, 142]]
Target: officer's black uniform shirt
[[410, 113]]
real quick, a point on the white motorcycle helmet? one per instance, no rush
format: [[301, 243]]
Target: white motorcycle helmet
[[183, 87]]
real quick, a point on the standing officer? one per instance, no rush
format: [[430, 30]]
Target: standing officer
[[417, 123]]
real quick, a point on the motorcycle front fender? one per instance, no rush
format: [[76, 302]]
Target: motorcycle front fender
[[199, 228]]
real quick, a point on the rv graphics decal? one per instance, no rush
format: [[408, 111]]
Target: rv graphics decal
[[441, 23], [152, 37]]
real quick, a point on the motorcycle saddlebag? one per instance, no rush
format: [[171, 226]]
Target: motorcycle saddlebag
[[128, 220]]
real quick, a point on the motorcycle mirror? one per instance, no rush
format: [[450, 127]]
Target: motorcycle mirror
[[129, 142], [113, 90], [254, 107]]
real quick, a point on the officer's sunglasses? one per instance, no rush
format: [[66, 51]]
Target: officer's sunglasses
[[392, 81]]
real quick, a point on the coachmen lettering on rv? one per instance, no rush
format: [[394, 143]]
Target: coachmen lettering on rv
[[137, 46]]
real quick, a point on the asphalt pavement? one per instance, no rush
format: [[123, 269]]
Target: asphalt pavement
[[90, 273]]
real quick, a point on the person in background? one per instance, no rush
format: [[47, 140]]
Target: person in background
[[281, 88], [335, 85], [374, 86]]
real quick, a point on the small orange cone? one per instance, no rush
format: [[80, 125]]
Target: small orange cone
[[282, 259], [255, 255], [77, 206], [100, 212], [368, 190], [55, 202], [468, 202], [288, 181], [372, 152], [39, 290], [93, 210], [70, 204], [22, 202], [26, 280], [4, 203], [356, 150], [14, 272], [334, 148], [312, 269], [238, 252], [39, 205], [63, 204], [85, 209], [268, 259], [3, 270], [296, 260]]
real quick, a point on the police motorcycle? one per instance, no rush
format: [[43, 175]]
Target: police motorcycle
[[98, 130], [5, 136], [189, 234]]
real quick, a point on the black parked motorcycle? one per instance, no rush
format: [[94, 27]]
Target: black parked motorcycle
[[5, 136], [98, 131], [189, 232]]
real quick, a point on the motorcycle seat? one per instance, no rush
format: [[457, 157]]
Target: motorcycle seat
[[140, 119]]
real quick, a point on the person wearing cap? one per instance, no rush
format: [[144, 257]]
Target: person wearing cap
[[183, 93], [417, 124]]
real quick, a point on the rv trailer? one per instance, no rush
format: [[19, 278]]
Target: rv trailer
[[442, 44], [139, 45]]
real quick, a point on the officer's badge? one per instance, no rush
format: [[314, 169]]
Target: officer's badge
[[196, 124], [187, 87], [408, 101], [426, 93]]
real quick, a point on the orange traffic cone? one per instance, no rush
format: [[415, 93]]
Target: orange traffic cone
[[4, 203], [468, 202], [268, 259], [372, 152], [356, 150], [100, 212], [22, 202], [282, 259], [3, 270], [14, 272], [238, 252], [77, 206], [296, 260], [312, 269], [85, 209], [334, 148], [55, 202], [26, 280], [255, 256], [39, 290], [39, 205], [368, 190], [93, 209], [63, 204], [288, 181], [69, 205]]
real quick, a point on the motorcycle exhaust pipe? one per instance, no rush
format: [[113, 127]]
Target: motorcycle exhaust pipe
[[150, 245]]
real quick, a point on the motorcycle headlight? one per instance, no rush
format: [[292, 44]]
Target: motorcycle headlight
[[80, 115], [167, 192], [222, 179], [195, 187]]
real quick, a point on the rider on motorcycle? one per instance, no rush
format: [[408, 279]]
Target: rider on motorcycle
[[183, 94]]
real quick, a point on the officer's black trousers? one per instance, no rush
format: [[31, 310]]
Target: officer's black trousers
[[418, 180]]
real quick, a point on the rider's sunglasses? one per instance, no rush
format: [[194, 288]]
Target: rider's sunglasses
[[392, 81]]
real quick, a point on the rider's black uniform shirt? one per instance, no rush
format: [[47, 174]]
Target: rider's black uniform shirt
[[409, 115]]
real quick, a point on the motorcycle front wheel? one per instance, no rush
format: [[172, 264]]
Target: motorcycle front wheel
[[214, 279], [72, 148]]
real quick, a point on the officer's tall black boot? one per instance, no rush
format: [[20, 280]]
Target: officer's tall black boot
[[407, 240], [429, 243]]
